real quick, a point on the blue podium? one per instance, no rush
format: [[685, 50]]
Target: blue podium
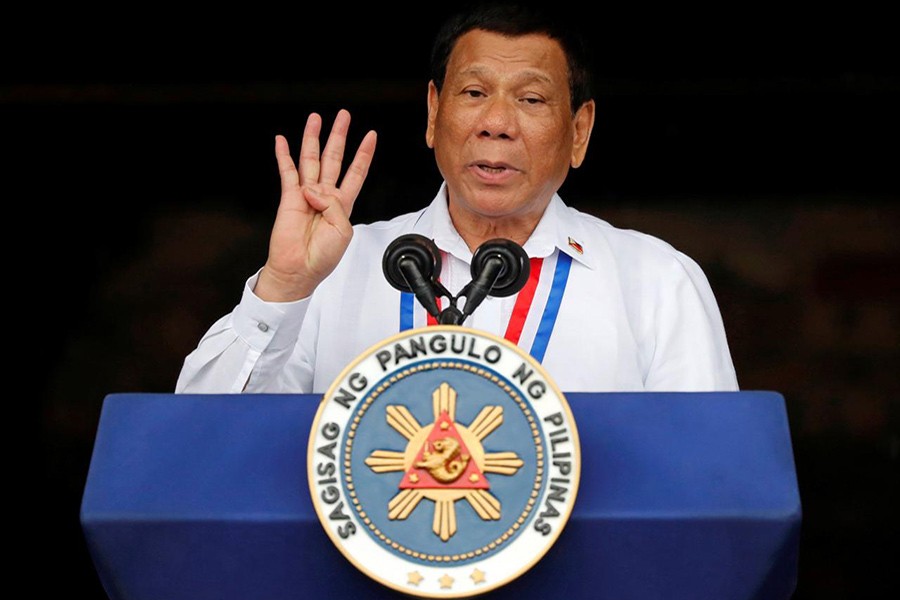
[[682, 496]]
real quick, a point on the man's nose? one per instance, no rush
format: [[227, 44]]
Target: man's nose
[[498, 119]]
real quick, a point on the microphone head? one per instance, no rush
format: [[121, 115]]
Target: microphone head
[[516, 266], [418, 248]]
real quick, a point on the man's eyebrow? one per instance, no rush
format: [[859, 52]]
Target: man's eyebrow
[[524, 75]]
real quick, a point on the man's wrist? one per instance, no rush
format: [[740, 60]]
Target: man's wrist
[[271, 287]]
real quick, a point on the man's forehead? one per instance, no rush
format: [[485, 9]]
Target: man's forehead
[[525, 74]]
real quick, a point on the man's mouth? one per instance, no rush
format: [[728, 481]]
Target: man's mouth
[[493, 168]]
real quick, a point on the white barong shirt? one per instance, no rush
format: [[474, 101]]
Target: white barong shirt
[[610, 310]]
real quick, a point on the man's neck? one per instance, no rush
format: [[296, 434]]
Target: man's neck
[[477, 229]]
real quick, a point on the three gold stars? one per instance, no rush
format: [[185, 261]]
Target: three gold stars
[[415, 578]]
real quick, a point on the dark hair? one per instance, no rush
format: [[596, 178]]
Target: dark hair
[[513, 20]]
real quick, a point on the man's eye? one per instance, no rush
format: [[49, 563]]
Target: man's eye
[[474, 93], [530, 100]]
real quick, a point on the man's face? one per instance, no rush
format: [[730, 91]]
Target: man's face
[[502, 127]]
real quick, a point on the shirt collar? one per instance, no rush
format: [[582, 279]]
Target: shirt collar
[[559, 228], [435, 223]]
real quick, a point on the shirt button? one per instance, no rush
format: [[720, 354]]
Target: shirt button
[[263, 327]]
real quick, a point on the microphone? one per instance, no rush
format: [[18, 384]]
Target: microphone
[[500, 268], [409, 264]]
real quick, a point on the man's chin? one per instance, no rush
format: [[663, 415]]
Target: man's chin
[[493, 202]]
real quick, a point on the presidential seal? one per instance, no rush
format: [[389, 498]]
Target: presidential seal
[[444, 462]]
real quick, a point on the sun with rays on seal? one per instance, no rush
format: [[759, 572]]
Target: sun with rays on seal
[[444, 461]]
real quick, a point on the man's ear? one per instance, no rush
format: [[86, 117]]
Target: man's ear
[[584, 123], [432, 113]]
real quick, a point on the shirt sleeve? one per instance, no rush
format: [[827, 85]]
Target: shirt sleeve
[[690, 349], [249, 349]]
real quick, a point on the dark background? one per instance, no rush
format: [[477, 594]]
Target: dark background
[[140, 183]]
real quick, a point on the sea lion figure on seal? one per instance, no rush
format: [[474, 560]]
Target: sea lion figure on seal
[[444, 462]]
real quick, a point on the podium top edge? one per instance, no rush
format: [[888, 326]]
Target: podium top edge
[[756, 392]]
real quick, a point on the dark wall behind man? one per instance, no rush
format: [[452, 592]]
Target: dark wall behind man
[[140, 182]]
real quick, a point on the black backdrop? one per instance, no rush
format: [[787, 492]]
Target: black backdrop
[[139, 184]]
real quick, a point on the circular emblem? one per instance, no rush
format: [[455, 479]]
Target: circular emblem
[[443, 462]]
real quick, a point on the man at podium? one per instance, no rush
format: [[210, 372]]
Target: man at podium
[[443, 469], [510, 112]]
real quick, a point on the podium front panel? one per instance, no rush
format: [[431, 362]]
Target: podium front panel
[[682, 495]]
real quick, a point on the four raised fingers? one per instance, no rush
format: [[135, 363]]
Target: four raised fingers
[[325, 168]]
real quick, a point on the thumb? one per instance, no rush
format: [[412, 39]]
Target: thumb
[[329, 207]]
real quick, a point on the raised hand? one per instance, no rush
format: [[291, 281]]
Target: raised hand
[[312, 226]]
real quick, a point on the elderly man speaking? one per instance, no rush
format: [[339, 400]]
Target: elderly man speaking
[[510, 111]]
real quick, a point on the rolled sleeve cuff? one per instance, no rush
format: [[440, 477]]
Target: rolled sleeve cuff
[[268, 325]]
